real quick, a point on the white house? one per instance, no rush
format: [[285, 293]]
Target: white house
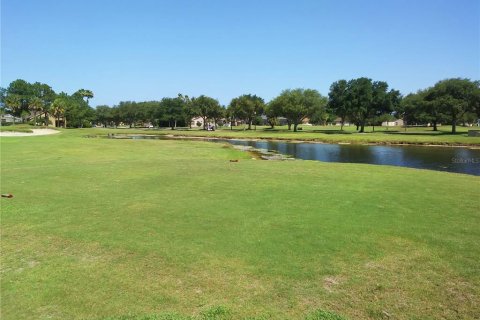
[[394, 123], [338, 122], [197, 122]]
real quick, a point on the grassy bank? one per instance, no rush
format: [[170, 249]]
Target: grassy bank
[[329, 134], [19, 128], [103, 228]]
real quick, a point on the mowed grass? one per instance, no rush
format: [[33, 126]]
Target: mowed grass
[[19, 128], [104, 228]]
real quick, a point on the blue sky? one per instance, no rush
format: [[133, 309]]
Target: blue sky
[[146, 49]]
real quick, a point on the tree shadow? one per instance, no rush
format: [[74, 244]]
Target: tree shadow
[[331, 131], [426, 133]]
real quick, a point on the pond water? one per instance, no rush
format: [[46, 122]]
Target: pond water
[[453, 159]]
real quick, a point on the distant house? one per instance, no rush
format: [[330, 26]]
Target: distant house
[[393, 123], [282, 121], [8, 118], [338, 122], [197, 122], [61, 122], [306, 121]]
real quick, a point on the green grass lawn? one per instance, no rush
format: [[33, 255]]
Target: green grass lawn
[[103, 228], [18, 128]]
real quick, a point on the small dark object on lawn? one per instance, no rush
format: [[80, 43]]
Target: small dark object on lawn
[[236, 160], [7, 195]]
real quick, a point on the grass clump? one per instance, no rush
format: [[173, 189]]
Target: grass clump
[[324, 315]]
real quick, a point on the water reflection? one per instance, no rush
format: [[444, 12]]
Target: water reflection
[[462, 160]]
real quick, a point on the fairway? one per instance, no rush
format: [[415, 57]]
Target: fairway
[[103, 228]]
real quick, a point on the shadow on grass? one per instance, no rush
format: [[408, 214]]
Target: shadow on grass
[[426, 133], [333, 131]]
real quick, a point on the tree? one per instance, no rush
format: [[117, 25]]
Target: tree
[[383, 101], [216, 113], [172, 110], [189, 109], [360, 96], [205, 105], [323, 116], [337, 100], [433, 108], [128, 112], [454, 97], [299, 104], [103, 114], [78, 113], [367, 99], [410, 107], [35, 104], [247, 107], [85, 94], [13, 103], [23, 91], [3, 95], [46, 95], [58, 108], [273, 110]]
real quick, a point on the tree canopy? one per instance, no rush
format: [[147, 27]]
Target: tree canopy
[[247, 107], [298, 104]]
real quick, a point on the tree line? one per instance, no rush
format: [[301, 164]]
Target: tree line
[[360, 101], [35, 102]]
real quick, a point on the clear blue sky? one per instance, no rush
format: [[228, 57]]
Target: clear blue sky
[[148, 49]]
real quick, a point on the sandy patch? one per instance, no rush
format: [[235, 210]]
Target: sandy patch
[[36, 132]]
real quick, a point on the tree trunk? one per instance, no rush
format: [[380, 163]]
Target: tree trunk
[[362, 127], [454, 126], [357, 126], [373, 127], [204, 123], [435, 125], [295, 127], [289, 125], [250, 124]]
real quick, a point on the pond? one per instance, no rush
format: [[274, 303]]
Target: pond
[[453, 159]]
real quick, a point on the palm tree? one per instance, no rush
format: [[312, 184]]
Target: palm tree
[[35, 104], [45, 110], [14, 103], [84, 93], [58, 109]]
